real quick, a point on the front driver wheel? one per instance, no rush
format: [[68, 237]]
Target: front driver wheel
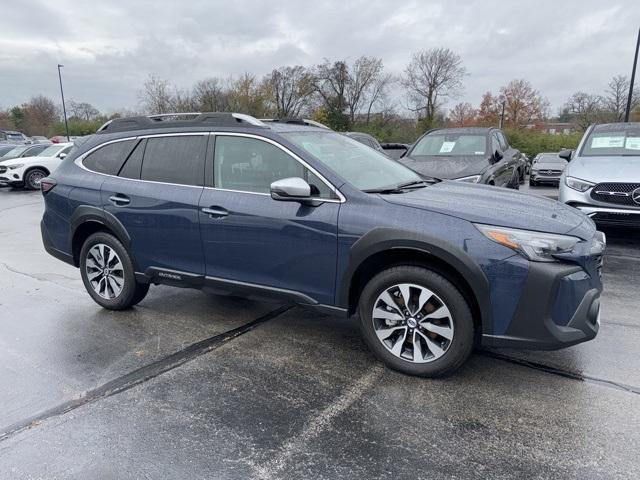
[[107, 273], [416, 321]]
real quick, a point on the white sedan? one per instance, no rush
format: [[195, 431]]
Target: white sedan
[[28, 171]]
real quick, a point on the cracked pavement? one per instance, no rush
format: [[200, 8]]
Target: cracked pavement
[[191, 385]]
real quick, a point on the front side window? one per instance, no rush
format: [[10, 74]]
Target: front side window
[[252, 165], [613, 140], [109, 159], [175, 159], [449, 145], [361, 166]]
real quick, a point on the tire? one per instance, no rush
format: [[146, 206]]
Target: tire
[[532, 183], [436, 355], [32, 178], [117, 289]]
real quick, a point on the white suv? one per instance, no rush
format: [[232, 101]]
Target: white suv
[[28, 171], [603, 176]]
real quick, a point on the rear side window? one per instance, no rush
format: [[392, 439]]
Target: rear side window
[[131, 169], [178, 159], [109, 159]]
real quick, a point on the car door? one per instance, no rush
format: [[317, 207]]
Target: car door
[[499, 170], [156, 196], [511, 156], [249, 238]]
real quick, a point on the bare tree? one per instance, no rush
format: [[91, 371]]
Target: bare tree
[[156, 95], [431, 77], [290, 89], [362, 75], [585, 109], [615, 98], [82, 110], [462, 115], [40, 113], [247, 95], [211, 95], [523, 104], [378, 95], [330, 82]]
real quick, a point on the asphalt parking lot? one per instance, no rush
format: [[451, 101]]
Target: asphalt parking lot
[[191, 385]]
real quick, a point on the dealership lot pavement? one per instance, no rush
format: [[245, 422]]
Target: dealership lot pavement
[[190, 385]]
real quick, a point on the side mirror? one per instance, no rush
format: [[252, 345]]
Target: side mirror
[[62, 156], [497, 156], [293, 189], [566, 154]]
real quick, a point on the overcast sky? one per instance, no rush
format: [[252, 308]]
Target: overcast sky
[[109, 48]]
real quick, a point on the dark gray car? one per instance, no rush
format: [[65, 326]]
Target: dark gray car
[[474, 155]]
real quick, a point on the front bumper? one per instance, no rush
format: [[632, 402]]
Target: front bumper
[[536, 177], [600, 212], [559, 306]]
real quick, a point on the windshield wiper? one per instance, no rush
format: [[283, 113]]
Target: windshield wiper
[[400, 188]]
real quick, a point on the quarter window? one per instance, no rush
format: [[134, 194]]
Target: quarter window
[[131, 169], [108, 159], [252, 165], [178, 159]]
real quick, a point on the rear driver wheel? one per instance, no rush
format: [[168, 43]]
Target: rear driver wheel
[[107, 273]]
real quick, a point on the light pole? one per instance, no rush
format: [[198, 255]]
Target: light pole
[[502, 116], [64, 108], [633, 79]]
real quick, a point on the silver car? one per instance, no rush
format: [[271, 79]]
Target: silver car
[[603, 176]]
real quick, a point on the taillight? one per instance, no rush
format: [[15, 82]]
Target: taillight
[[47, 184]]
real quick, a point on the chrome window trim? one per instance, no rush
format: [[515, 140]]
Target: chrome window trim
[[79, 162]]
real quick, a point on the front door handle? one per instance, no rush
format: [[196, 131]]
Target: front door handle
[[215, 212], [120, 200]]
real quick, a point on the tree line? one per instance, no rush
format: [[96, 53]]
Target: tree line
[[346, 95]]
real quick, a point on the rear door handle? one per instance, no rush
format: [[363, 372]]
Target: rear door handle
[[120, 200], [215, 212]]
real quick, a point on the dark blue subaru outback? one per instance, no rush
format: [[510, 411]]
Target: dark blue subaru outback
[[294, 211]]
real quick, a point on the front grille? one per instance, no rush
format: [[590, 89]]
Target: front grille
[[550, 173], [618, 193], [3, 168]]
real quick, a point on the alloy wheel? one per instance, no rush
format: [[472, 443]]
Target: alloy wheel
[[413, 323], [34, 179], [104, 271]]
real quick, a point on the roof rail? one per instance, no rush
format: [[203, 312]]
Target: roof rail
[[189, 119], [297, 121]]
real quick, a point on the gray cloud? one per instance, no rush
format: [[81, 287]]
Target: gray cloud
[[108, 49]]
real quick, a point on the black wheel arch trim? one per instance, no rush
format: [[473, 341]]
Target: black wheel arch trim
[[382, 239], [87, 213]]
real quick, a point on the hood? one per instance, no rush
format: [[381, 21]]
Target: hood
[[15, 160], [605, 169], [549, 166], [497, 206], [448, 167]]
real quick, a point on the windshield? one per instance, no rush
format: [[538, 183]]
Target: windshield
[[450, 144], [551, 159], [51, 151], [617, 140], [15, 152], [361, 166]]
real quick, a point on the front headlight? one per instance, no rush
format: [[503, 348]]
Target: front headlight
[[577, 184], [471, 179], [536, 246], [17, 165]]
